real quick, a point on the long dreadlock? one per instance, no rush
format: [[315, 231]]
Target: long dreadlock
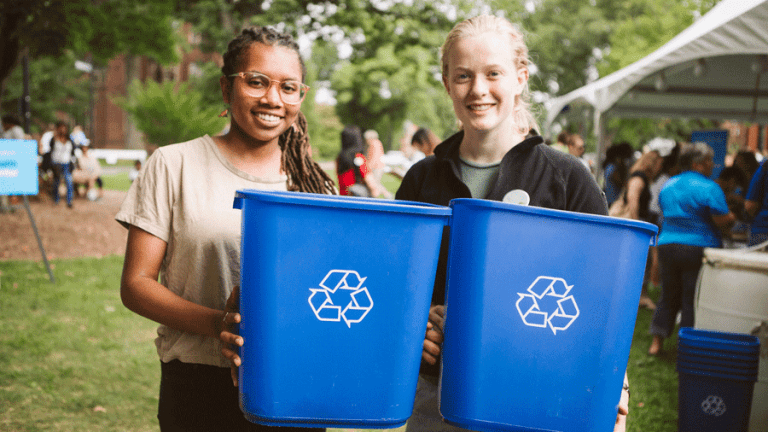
[[304, 174]]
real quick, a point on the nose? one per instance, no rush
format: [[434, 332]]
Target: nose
[[479, 86], [272, 95]]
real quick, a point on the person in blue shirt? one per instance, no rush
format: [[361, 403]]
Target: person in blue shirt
[[756, 206], [695, 212]]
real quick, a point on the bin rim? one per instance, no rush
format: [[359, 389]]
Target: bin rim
[[712, 374], [718, 355], [683, 364], [707, 362], [650, 228], [344, 202], [739, 258], [717, 340]]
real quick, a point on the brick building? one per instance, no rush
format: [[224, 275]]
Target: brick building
[[112, 127]]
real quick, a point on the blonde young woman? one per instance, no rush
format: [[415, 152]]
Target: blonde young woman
[[485, 72]]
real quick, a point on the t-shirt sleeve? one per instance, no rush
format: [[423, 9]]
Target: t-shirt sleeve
[[150, 198], [716, 201]]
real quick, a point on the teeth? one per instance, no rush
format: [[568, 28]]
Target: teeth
[[268, 117], [479, 107]]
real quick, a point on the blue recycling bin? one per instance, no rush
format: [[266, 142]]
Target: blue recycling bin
[[713, 402], [335, 296], [716, 376], [540, 312]]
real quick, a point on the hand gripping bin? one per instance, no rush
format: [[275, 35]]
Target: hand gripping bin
[[335, 296], [540, 312]]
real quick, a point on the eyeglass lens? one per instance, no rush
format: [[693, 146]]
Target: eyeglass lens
[[257, 85]]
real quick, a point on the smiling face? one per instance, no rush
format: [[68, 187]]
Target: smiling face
[[262, 120], [483, 82]]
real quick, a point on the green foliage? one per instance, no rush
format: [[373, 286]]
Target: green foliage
[[170, 112], [325, 133], [642, 26], [107, 28], [54, 85], [207, 84], [562, 36], [381, 92], [101, 28]]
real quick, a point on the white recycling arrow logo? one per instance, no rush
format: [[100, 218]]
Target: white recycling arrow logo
[[556, 289], [349, 281], [713, 405]]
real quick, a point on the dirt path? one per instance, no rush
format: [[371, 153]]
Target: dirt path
[[88, 229]]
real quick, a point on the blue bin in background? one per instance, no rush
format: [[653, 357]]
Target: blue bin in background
[[716, 377], [540, 313], [335, 296]]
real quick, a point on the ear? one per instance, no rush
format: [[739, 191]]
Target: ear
[[522, 75], [225, 90], [446, 84]]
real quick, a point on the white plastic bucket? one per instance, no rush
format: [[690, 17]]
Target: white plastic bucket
[[732, 296]]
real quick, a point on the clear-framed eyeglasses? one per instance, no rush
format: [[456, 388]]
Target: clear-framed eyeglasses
[[257, 84]]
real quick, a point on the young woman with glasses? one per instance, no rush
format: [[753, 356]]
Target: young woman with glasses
[[182, 228]]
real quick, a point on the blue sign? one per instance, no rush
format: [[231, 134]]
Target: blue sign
[[18, 167], [718, 140]]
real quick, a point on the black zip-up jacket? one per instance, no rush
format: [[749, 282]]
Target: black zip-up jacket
[[552, 179]]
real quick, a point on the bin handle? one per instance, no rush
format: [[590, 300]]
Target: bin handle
[[238, 204]]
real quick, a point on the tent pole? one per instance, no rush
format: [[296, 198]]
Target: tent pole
[[598, 126]]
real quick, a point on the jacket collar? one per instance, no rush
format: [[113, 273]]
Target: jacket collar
[[448, 150]]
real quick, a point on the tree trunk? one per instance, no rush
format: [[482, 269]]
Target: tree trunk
[[10, 47]]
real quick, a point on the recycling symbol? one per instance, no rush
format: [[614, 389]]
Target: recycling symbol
[[342, 286], [551, 295], [713, 405]]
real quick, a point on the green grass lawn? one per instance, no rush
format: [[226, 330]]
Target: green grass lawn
[[72, 358]]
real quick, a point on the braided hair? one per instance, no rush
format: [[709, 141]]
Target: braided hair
[[304, 174]]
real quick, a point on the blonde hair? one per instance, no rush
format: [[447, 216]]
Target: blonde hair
[[481, 24]]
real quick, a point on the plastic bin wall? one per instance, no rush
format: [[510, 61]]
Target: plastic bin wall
[[540, 312], [732, 296], [335, 298]]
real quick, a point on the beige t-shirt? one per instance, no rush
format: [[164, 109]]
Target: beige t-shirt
[[184, 196]]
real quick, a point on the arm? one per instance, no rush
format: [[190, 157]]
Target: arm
[[373, 186], [142, 293], [751, 208], [634, 189], [724, 222]]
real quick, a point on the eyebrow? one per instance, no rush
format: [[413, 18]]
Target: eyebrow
[[262, 73]]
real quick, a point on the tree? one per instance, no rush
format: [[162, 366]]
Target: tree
[[56, 86], [101, 28], [170, 112], [563, 38]]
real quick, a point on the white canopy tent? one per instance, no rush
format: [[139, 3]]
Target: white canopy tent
[[717, 69]]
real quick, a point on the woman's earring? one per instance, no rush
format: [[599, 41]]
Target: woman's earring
[[224, 113]]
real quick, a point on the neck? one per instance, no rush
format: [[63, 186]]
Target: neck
[[487, 147], [257, 159]]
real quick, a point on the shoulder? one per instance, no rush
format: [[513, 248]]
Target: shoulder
[[415, 177], [188, 149], [564, 165]]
